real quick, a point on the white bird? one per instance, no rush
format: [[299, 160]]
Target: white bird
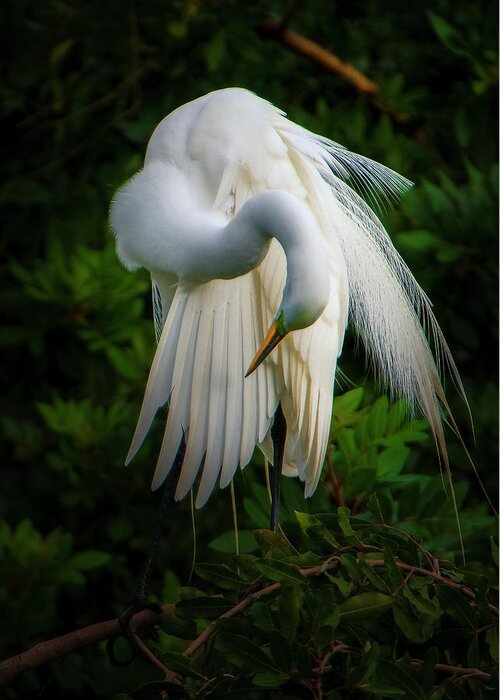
[[247, 222]]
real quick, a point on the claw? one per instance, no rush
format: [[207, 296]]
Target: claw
[[124, 621]]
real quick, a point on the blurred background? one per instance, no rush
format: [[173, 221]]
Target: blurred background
[[83, 86]]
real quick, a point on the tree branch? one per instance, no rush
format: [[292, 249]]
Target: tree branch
[[60, 646], [274, 29], [432, 574]]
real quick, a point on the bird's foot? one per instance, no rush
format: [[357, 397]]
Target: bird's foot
[[125, 620], [250, 590]]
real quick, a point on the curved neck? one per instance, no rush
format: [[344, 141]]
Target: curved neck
[[240, 245], [159, 224]]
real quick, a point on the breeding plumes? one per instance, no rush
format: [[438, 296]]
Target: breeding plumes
[[260, 247]]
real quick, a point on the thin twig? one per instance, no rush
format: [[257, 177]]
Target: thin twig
[[251, 598], [154, 660], [456, 670], [242, 605], [438, 577], [103, 101]]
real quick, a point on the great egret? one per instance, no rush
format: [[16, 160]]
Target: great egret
[[247, 222]]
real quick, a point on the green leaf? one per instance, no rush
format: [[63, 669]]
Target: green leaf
[[392, 460], [415, 626], [205, 607], [269, 679], [449, 36], [364, 605], [377, 581], [320, 606], [258, 514], [313, 527], [455, 692], [345, 587], [243, 653], [215, 51], [494, 550], [180, 664], [276, 570], [457, 606], [360, 479], [178, 627], [290, 607], [380, 690], [373, 505], [422, 603], [60, 50], [492, 641], [377, 418], [343, 516], [348, 403], [426, 672], [225, 542], [350, 564], [347, 444], [90, 559], [273, 544], [344, 524], [219, 575], [402, 679], [280, 650]]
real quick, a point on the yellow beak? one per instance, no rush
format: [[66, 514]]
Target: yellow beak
[[275, 335]]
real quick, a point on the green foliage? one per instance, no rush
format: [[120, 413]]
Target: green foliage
[[83, 87], [403, 626]]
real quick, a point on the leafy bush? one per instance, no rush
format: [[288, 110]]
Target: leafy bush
[[364, 609]]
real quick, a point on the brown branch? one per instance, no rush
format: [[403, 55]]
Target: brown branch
[[332, 563], [274, 29], [245, 603], [103, 101], [457, 670], [154, 660], [437, 576], [336, 483], [60, 646]]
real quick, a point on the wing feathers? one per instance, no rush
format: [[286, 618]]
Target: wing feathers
[[160, 376], [216, 410], [199, 400]]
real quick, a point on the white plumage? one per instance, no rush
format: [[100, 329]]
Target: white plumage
[[223, 175]]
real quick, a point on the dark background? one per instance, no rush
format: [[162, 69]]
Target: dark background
[[84, 85]]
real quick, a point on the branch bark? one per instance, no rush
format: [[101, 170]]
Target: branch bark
[[274, 29], [60, 646]]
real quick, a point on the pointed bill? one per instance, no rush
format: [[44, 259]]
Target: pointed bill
[[275, 335]]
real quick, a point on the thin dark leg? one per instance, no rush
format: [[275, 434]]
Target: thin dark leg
[[140, 601], [166, 500], [278, 434]]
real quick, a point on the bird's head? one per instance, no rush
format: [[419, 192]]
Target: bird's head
[[279, 214], [298, 311]]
